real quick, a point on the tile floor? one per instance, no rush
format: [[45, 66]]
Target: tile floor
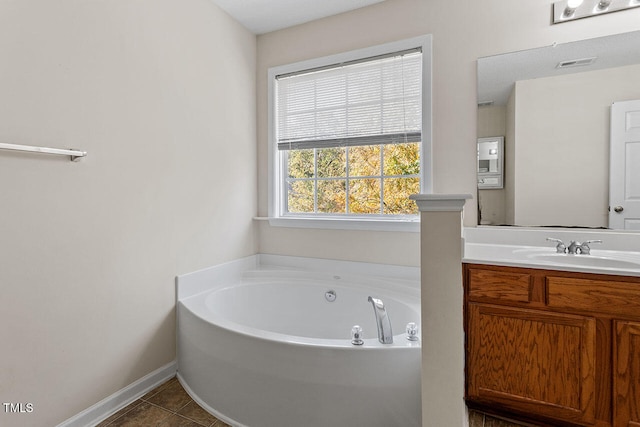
[[168, 405], [478, 419]]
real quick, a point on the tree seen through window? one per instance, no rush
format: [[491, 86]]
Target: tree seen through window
[[369, 179]]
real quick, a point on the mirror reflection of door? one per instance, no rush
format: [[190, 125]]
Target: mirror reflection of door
[[624, 179]]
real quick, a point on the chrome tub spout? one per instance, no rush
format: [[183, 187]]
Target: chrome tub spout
[[385, 335]]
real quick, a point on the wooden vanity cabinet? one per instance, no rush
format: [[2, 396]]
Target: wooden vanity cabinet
[[553, 348], [532, 361], [626, 374]]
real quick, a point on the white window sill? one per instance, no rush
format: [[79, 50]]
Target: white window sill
[[377, 224]]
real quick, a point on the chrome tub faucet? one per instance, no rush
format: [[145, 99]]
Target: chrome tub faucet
[[385, 335]]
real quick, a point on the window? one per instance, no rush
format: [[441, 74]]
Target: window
[[347, 135]]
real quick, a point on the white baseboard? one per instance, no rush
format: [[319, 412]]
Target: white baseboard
[[118, 400]]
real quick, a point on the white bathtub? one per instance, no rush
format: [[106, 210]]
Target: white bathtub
[[262, 346]]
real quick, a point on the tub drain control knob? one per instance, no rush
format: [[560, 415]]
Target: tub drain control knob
[[330, 296], [412, 331], [356, 335]]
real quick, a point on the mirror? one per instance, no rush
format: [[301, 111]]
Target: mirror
[[490, 162], [552, 104]]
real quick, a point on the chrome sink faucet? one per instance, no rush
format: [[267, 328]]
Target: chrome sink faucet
[[574, 247], [385, 335]]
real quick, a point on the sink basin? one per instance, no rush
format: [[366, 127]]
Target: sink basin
[[605, 261], [585, 260]]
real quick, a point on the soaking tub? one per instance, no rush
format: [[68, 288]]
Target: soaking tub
[[264, 343]]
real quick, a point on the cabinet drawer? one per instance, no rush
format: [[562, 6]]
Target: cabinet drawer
[[610, 297], [499, 285]]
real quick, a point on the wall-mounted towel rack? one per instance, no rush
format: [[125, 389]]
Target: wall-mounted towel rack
[[74, 154]]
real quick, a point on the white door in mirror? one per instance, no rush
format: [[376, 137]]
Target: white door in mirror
[[624, 179]]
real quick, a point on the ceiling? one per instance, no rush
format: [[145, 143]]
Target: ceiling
[[263, 16], [497, 74]]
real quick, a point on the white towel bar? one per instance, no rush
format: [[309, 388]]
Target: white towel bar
[[74, 154]]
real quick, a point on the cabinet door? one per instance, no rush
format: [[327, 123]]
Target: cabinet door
[[532, 361], [626, 379]]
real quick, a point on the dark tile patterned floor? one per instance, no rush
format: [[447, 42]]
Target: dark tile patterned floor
[[478, 419], [168, 405]]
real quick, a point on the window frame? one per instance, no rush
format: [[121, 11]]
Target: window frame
[[277, 185]]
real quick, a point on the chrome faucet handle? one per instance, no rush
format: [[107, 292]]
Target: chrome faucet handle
[[560, 247], [412, 331], [584, 247], [356, 335]]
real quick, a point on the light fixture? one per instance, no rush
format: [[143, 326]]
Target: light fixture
[[571, 7], [569, 10]]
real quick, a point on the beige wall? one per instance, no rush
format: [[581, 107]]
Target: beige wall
[[562, 157], [161, 94], [462, 32]]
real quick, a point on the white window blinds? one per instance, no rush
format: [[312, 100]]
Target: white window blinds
[[371, 101]]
